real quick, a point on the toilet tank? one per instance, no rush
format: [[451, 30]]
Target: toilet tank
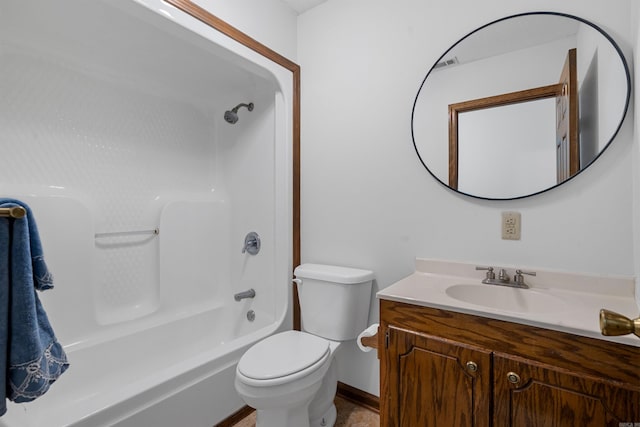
[[334, 301]]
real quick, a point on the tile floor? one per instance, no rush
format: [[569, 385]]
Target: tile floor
[[349, 415]]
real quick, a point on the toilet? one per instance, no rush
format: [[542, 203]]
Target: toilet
[[290, 378]]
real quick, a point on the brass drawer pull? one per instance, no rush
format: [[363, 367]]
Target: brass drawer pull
[[472, 366], [513, 378]]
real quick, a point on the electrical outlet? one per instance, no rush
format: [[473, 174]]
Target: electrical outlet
[[511, 225]]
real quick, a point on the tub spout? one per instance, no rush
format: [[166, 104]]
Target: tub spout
[[246, 294]]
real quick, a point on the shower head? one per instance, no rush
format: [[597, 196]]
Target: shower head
[[231, 116]]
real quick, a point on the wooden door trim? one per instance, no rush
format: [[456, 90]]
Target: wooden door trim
[[569, 79], [534, 94], [218, 24]]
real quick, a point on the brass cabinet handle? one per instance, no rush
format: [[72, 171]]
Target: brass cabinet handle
[[472, 366], [513, 378], [613, 324]]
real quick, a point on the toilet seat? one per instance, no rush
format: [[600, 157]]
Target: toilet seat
[[283, 358]]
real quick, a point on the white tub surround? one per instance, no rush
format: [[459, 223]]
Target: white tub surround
[[561, 301], [113, 130]]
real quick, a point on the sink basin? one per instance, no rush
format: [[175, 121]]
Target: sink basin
[[506, 299]]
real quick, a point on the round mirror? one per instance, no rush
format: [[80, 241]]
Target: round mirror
[[520, 105]]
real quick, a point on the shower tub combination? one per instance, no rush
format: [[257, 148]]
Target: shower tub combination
[[118, 129]]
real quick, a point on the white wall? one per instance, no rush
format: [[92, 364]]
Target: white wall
[[366, 199], [270, 22]]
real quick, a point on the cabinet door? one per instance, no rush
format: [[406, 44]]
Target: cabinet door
[[531, 395], [432, 382]]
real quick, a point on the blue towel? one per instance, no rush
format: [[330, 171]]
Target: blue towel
[[31, 358]]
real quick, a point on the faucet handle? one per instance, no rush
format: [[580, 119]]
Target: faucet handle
[[490, 274], [519, 279], [530, 273], [251, 243]]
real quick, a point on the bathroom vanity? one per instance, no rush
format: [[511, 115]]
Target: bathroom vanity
[[502, 361], [458, 348]]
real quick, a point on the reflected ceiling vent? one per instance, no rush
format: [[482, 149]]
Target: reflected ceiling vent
[[449, 62]]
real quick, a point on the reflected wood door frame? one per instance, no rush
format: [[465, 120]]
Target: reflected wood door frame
[[567, 124], [534, 94]]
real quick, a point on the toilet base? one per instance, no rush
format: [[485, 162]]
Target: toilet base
[[286, 417], [328, 419]]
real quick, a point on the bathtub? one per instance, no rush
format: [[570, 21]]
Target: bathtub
[[151, 375], [143, 196]]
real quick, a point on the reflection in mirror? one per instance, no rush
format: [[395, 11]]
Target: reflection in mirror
[[506, 121], [530, 101], [515, 148]]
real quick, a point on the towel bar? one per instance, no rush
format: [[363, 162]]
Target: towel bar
[[13, 212], [126, 233]]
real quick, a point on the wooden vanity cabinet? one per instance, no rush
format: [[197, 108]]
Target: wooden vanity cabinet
[[435, 382], [440, 368], [547, 396]]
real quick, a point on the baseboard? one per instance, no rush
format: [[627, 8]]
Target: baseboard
[[236, 417], [359, 397], [345, 391]]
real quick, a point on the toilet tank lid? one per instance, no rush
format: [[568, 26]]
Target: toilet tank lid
[[333, 273]]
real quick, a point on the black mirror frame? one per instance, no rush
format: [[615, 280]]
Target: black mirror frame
[[613, 136]]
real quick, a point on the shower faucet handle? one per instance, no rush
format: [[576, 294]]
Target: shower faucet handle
[[251, 243]]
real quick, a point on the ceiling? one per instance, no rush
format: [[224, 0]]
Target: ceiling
[[301, 6]]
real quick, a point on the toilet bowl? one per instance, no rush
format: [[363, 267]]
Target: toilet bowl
[[282, 375], [290, 378]]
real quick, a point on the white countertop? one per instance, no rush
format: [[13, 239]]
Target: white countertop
[[576, 298]]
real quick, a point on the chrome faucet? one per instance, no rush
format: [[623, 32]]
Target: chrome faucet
[[251, 293], [503, 276], [504, 279]]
